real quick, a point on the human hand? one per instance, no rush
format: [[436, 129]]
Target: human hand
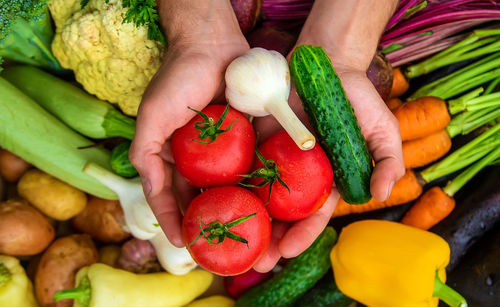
[[381, 131], [191, 75]]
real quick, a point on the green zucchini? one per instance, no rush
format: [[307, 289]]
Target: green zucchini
[[324, 293], [120, 163], [33, 134], [73, 106], [333, 119], [298, 275]]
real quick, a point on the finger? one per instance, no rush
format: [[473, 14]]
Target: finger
[[166, 152], [183, 190], [165, 108], [272, 254], [381, 130], [166, 210], [303, 233]]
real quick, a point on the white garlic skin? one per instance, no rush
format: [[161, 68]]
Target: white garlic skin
[[257, 78]]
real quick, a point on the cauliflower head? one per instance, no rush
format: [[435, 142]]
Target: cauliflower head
[[113, 60]]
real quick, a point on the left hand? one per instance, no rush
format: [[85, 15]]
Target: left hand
[[381, 131]]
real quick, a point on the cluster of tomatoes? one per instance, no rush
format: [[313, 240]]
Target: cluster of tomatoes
[[227, 227]]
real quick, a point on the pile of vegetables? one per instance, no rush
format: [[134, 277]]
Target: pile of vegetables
[[85, 235]]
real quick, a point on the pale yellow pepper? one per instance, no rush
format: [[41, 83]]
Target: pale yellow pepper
[[388, 264], [16, 290], [100, 285], [212, 301]]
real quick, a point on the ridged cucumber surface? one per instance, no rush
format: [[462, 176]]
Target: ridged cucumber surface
[[333, 119], [298, 275], [325, 293], [120, 163]]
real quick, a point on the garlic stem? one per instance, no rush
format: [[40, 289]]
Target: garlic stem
[[258, 83], [292, 124]]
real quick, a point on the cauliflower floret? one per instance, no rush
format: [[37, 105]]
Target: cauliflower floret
[[113, 60]]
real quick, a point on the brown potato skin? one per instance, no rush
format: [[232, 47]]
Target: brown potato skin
[[24, 231], [101, 219], [58, 266], [53, 197], [11, 166]]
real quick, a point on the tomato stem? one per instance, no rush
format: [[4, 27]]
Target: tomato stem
[[219, 231], [269, 173], [208, 129]]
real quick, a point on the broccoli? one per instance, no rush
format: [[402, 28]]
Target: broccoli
[[26, 33]]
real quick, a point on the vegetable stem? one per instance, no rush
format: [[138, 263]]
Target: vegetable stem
[[463, 156], [5, 275], [447, 294], [81, 293], [117, 124], [470, 47], [459, 104], [468, 121], [458, 182], [464, 79], [292, 124], [492, 86], [112, 181]]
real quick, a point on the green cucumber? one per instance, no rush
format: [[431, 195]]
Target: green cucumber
[[324, 293], [120, 163], [333, 119], [298, 275]]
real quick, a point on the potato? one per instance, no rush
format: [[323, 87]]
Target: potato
[[101, 219], [109, 254], [11, 166], [50, 195], [58, 266], [24, 231]]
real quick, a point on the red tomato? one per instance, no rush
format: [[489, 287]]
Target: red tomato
[[224, 205], [217, 163], [307, 173]]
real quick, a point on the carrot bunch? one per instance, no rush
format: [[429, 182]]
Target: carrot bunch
[[426, 130]]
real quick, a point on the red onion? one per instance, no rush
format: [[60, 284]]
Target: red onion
[[247, 12], [237, 285], [138, 256]]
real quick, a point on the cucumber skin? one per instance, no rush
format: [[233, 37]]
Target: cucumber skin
[[299, 275], [334, 122], [324, 293], [120, 163]]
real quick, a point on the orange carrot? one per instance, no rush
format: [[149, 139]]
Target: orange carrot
[[422, 151], [393, 103], [421, 117], [405, 190], [399, 83], [433, 206]]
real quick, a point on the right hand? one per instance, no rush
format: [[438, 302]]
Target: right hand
[[192, 74]]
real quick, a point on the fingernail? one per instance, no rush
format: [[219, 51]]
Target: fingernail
[[389, 190], [146, 186]]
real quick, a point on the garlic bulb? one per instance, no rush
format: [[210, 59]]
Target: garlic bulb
[[258, 83]]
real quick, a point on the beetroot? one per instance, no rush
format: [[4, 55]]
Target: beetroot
[[247, 12], [237, 285], [380, 74], [272, 39]]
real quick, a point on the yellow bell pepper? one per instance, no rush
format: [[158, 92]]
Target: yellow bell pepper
[[16, 289], [211, 301], [100, 285], [388, 264]]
